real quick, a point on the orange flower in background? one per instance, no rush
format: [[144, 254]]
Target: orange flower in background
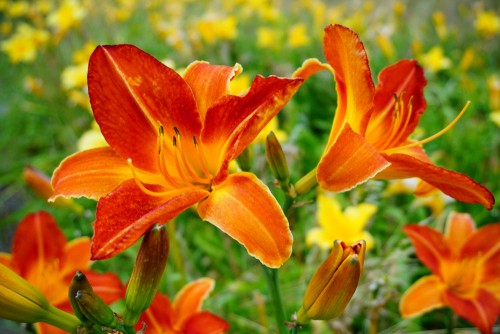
[[369, 136], [41, 255], [184, 314], [171, 140], [465, 265]]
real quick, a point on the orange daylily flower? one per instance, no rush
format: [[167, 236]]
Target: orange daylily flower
[[465, 265], [171, 140], [369, 136], [41, 255], [184, 315]]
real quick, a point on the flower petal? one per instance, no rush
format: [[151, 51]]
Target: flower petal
[[459, 228], [351, 160], [390, 125], [209, 83], [131, 93], [127, 213], [205, 323], [424, 295], [457, 185], [310, 67], [355, 90], [234, 122], [189, 299], [76, 256], [430, 245], [159, 316], [93, 174], [108, 286], [244, 208], [38, 242], [482, 311]]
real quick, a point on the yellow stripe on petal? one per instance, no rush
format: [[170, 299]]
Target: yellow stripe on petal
[[424, 295], [244, 208]]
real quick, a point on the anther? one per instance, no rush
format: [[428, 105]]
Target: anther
[[174, 141], [177, 132]]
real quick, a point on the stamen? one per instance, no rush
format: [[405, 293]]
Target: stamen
[[426, 140], [141, 185], [161, 163], [201, 157], [192, 174]]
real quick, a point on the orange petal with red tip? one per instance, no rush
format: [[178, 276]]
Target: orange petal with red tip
[[205, 323], [190, 298], [459, 228], [37, 242], [244, 208], [481, 311], [131, 93], [430, 245], [355, 90], [234, 122], [76, 256], [389, 127], [93, 174], [424, 295], [127, 213], [209, 83], [457, 185], [351, 160]]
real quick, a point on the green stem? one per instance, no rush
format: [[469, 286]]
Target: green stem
[[294, 330], [63, 320], [272, 283], [175, 252]]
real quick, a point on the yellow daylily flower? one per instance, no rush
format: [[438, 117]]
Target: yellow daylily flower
[[298, 35], [337, 225], [488, 23], [435, 60]]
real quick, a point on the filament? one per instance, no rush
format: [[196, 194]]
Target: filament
[[141, 185]]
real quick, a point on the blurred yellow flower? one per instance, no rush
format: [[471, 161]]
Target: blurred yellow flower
[[213, 28], [24, 44], [33, 85], [67, 16], [80, 98], [268, 38], [439, 20], [467, 59], [435, 60], [5, 28], [74, 77], [82, 56], [487, 23], [239, 84], [298, 35], [399, 8], [91, 138], [493, 83], [334, 224], [386, 46], [17, 8], [495, 117]]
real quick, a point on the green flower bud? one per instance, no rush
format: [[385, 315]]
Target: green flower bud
[[146, 275], [94, 309], [277, 162], [78, 283]]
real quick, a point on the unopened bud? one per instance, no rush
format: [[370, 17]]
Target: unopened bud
[[334, 283], [94, 309], [78, 283], [22, 302], [245, 160], [146, 275], [277, 162]]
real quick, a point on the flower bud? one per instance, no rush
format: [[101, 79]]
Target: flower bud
[[146, 275], [94, 309], [22, 302], [277, 162], [78, 283], [334, 283], [40, 183]]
